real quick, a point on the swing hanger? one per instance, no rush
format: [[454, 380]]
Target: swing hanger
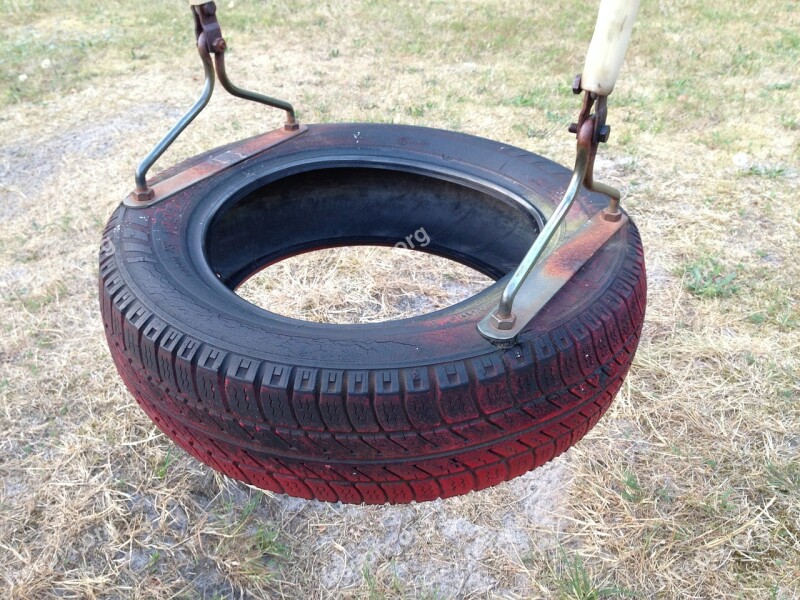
[[209, 42]]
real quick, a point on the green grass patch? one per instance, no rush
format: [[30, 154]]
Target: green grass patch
[[707, 277], [576, 583], [785, 478]]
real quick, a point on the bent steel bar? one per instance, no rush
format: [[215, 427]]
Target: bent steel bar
[[144, 193], [209, 41], [551, 274], [538, 281], [543, 239], [222, 73], [212, 164]]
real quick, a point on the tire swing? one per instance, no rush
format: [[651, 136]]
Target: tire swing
[[414, 409]]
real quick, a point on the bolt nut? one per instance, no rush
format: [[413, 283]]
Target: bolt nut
[[144, 195], [291, 126], [503, 323], [604, 133], [612, 216], [576, 85]]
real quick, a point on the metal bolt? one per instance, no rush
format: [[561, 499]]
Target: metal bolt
[[576, 85], [220, 45], [604, 133], [144, 195], [503, 323], [612, 216]]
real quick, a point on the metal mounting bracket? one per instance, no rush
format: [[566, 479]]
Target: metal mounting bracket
[[534, 283], [552, 273], [209, 41]]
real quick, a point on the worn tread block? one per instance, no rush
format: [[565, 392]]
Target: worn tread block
[[520, 464], [568, 363], [322, 491], [521, 375], [359, 405], [261, 479], [294, 487], [582, 339], [148, 343], [332, 402], [426, 490], [541, 408], [546, 360], [240, 387], [274, 395], [490, 475], [347, 493], [269, 440], [476, 431], [371, 493], [388, 404], [135, 318], [420, 406], [120, 303], [209, 377], [304, 399], [184, 357], [167, 349], [458, 484], [398, 492], [383, 445], [443, 440], [453, 393], [491, 386]]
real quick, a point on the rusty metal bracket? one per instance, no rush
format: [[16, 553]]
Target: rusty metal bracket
[[209, 41], [212, 165], [552, 273], [534, 283]]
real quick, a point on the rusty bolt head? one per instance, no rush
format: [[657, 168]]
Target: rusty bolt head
[[502, 323], [612, 216], [291, 126], [576, 85], [219, 45], [144, 195], [604, 133]]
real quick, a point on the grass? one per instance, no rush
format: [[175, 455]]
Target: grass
[[575, 582], [687, 489], [706, 277]]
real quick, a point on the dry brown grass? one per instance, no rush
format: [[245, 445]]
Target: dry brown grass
[[688, 488]]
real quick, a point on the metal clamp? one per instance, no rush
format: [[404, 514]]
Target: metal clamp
[[520, 302], [209, 41]]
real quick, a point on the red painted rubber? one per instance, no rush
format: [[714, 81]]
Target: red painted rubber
[[352, 428]]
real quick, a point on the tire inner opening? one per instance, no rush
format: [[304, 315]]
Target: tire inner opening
[[367, 284], [253, 243]]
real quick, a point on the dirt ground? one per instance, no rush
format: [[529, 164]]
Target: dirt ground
[[687, 488]]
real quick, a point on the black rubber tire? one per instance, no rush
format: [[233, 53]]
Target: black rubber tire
[[414, 409]]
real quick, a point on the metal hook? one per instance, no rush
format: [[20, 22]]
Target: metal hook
[[144, 193], [502, 324], [209, 41]]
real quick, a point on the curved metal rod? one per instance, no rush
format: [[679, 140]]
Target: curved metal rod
[[614, 195], [219, 59], [503, 310], [166, 142]]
